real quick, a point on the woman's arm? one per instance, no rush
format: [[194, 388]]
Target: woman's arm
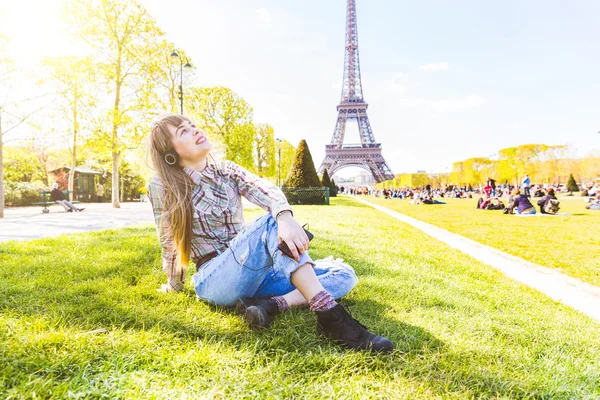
[[165, 238], [542, 201], [270, 198]]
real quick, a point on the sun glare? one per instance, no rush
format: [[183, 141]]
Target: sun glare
[[35, 30]]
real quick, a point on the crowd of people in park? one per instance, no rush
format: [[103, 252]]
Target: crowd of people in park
[[518, 198]]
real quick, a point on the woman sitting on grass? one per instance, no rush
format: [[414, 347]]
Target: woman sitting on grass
[[198, 213], [545, 206], [521, 203]]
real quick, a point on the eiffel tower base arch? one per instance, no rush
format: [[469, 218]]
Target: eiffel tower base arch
[[368, 158]]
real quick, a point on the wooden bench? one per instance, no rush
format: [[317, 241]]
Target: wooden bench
[[45, 203]]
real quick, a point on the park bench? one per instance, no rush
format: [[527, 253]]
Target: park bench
[[45, 202]]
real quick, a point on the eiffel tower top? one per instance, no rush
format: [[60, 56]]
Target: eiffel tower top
[[352, 107], [352, 86]]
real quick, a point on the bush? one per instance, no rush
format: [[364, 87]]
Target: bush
[[19, 194], [333, 189], [303, 173], [328, 183], [572, 185], [313, 196]]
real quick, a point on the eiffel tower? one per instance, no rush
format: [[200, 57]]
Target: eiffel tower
[[367, 154]]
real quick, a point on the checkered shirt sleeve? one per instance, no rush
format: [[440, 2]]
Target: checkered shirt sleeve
[[257, 190]]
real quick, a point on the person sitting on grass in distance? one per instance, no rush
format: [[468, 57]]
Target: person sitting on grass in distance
[[594, 204], [428, 200], [416, 199], [521, 204], [538, 192], [198, 213], [547, 206], [59, 197]]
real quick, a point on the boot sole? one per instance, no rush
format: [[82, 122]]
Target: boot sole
[[357, 346], [256, 317]]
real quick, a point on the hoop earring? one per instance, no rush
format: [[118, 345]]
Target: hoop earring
[[171, 157]]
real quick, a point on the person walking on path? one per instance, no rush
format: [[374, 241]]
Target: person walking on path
[[491, 183], [526, 185], [100, 193], [58, 196], [198, 214]]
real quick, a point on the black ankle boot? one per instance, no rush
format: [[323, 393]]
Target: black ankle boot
[[256, 312], [338, 325]]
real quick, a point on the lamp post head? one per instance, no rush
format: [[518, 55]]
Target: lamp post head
[[187, 65], [174, 54]]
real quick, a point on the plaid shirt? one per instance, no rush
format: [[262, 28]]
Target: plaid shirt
[[218, 212]]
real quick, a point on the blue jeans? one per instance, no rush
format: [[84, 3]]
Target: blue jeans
[[253, 266], [530, 212]]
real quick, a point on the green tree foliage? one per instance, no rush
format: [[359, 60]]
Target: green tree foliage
[[10, 117], [572, 185], [265, 150], [238, 145], [6, 68], [21, 165], [170, 77], [325, 180], [227, 118], [477, 170], [127, 51], [287, 151], [543, 163], [303, 173], [333, 189], [73, 81]]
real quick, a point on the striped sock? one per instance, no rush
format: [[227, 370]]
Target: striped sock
[[282, 305], [322, 301]]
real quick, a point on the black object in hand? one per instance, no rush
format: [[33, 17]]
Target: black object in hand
[[283, 247]]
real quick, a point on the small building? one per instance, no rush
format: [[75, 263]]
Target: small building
[[84, 185]]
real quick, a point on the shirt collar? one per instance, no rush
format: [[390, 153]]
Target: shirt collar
[[198, 176]]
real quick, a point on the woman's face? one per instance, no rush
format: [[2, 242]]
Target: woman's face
[[189, 142]]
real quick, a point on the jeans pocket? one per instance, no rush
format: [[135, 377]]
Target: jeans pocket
[[254, 261]]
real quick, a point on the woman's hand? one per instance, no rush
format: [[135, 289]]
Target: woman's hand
[[292, 234]]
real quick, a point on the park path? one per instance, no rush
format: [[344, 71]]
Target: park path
[[26, 223], [573, 292]]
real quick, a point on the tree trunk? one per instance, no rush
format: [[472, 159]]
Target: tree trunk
[[1, 171], [115, 136], [116, 161], [74, 160], [1, 174]]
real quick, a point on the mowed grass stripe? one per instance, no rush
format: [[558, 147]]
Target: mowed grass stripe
[[462, 329], [569, 244]]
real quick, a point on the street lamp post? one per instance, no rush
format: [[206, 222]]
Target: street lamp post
[[187, 65], [278, 161]]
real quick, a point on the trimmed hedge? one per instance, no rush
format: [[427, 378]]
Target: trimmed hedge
[[312, 196]]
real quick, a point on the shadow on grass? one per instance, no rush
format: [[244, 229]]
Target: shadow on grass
[[122, 297]]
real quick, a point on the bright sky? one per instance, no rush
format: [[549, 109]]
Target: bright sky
[[444, 80]]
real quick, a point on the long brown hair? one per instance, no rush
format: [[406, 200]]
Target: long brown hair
[[177, 188]]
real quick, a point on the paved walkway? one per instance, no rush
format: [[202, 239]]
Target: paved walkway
[[24, 223], [560, 287]]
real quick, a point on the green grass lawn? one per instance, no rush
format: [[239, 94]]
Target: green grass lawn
[[570, 244], [80, 317]]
